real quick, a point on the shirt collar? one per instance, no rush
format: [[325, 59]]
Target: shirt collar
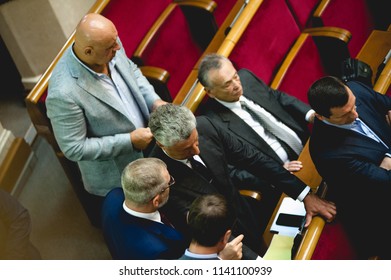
[[232, 105], [201, 256], [344, 126], [111, 64], [154, 216]]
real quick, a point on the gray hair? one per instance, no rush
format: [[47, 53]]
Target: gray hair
[[143, 179], [209, 62], [171, 123]]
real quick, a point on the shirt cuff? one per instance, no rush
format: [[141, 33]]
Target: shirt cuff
[[309, 114], [388, 155], [304, 193]]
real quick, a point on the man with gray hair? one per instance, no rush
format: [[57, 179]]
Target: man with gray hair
[[197, 152], [236, 100], [132, 225]]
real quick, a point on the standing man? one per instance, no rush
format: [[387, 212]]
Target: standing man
[[351, 148], [99, 103], [197, 153]]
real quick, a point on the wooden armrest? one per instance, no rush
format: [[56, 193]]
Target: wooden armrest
[[310, 239], [383, 82], [155, 73], [308, 174], [312, 178], [250, 193], [158, 77], [330, 40], [330, 32], [321, 8]]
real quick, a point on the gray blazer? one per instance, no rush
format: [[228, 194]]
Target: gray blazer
[[92, 128]]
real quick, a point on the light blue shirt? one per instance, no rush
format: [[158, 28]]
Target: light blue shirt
[[118, 89]]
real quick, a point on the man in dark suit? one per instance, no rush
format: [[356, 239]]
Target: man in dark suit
[[351, 148], [131, 222], [184, 142], [227, 89], [210, 220]]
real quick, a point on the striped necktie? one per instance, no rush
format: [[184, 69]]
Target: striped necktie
[[275, 130]]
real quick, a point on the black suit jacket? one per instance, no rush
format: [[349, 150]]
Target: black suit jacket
[[218, 148], [349, 163], [287, 109]]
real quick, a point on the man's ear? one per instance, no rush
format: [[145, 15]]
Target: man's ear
[[88, 51], [156, 201], [227, 235], [209, 92]]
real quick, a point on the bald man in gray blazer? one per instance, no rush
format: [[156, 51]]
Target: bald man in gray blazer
[[99, 103]]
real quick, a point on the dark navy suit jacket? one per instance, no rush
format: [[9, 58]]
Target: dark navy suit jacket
[[132, 238], [349, 163]]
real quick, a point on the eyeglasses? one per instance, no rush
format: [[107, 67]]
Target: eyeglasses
[[170, 183]]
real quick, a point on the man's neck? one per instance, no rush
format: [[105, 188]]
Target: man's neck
[[202, 250]]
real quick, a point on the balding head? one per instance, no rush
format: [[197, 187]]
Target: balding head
[[95, 40]]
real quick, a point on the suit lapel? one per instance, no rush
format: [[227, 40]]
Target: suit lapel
[[243, 131]]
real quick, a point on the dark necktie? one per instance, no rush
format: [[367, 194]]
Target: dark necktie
[[165, 220], [287, 141], [201, 169]]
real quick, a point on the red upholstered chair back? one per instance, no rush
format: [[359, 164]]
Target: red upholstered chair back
[[267, 39], [334, 244], [133, 19], [352, 15], [223, 9], [174, 50], [305, 69], [302, 10]]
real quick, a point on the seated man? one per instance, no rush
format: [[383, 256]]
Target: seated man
[[210, 220], [351, 148], [197, 153], [229, 91], [131, 222]]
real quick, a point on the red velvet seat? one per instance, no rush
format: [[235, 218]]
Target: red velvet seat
[[352, 15], [176, 46], [302, 11], [222, 10], [317, 52], [334, 244], [133, 19], [266, 40]]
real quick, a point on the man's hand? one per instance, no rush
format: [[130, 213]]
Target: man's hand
[[233, 249], [293, 165], [158, 103], [141, 137], [388, 118], [386, 163], [315, 205]]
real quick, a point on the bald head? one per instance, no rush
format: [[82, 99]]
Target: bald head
[[95, 39]]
